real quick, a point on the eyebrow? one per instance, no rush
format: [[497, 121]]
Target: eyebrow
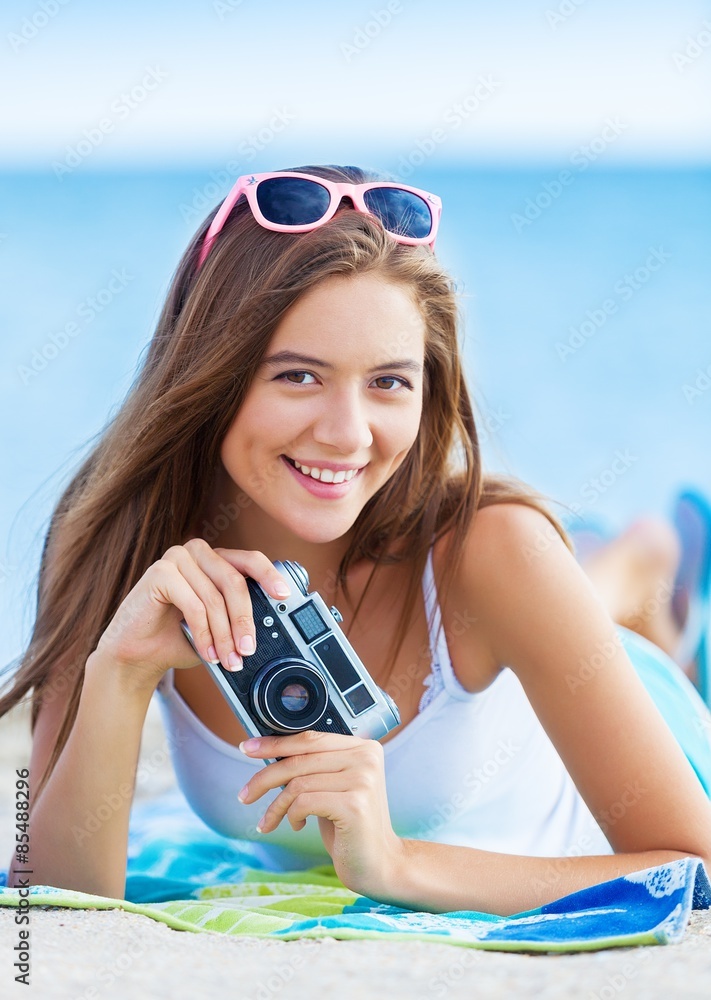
[[290, 358]]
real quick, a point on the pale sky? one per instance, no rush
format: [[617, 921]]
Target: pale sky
[[515, 80]]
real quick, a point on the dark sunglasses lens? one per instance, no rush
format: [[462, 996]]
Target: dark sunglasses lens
[[292, 201], [401, 212]]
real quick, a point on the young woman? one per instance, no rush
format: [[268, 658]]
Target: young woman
[[303, 398]]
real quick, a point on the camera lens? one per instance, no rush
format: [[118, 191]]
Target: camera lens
[[294, 698], [289, 695]]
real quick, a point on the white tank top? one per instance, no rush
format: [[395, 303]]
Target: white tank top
[[471, 769]]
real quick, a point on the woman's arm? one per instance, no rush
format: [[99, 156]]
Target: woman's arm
[[79, 823], [341, 780], [78, 826], [544, 619], [441, 878]]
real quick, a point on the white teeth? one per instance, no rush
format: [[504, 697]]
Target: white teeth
[[326, 475]]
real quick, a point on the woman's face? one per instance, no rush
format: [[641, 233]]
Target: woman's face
[[352, 405]]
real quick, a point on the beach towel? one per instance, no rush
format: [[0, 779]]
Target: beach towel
[[192, 879]]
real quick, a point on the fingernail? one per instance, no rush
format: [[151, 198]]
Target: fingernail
[[260, 828], [242, 794], [248, 745], [212, 655], [246, 645], [234, 661], [281, 590]]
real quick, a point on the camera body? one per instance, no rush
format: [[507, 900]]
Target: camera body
[[304, 673]]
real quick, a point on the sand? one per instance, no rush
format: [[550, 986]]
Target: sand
[[90, 954]]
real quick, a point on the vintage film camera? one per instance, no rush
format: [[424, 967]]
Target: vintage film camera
[[304, 673]]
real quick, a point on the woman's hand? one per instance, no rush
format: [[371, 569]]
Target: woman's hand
[[341, 780], [205, 586]]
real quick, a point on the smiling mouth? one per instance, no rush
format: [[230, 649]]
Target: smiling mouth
[[292, 463]]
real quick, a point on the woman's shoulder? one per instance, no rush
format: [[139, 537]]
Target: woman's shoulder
[[501, 536], [508, 526]]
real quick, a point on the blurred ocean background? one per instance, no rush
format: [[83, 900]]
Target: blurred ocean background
[[556, 409], [586, 302]]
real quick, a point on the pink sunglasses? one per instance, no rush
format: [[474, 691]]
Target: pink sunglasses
[[289, 202]]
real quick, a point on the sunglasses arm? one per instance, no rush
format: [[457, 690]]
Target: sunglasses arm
[[218, 222]]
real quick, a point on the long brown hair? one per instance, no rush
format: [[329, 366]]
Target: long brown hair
[[144, 484]]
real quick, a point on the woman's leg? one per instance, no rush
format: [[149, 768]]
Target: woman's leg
[[634, 575]]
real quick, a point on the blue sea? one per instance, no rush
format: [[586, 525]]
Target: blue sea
[[586, 332]]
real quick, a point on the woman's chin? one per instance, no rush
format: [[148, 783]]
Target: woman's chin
[[320, 529]]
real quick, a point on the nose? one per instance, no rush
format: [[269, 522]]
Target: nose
[[343, 424]]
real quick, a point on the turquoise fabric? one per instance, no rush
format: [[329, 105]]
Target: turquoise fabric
[[649, 907], [676, 698], [185, 875]]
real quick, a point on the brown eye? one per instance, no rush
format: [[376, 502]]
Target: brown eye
[[284, 378], [394, 378]]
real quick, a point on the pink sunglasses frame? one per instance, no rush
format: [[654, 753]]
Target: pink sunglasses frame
[[247, 185]]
